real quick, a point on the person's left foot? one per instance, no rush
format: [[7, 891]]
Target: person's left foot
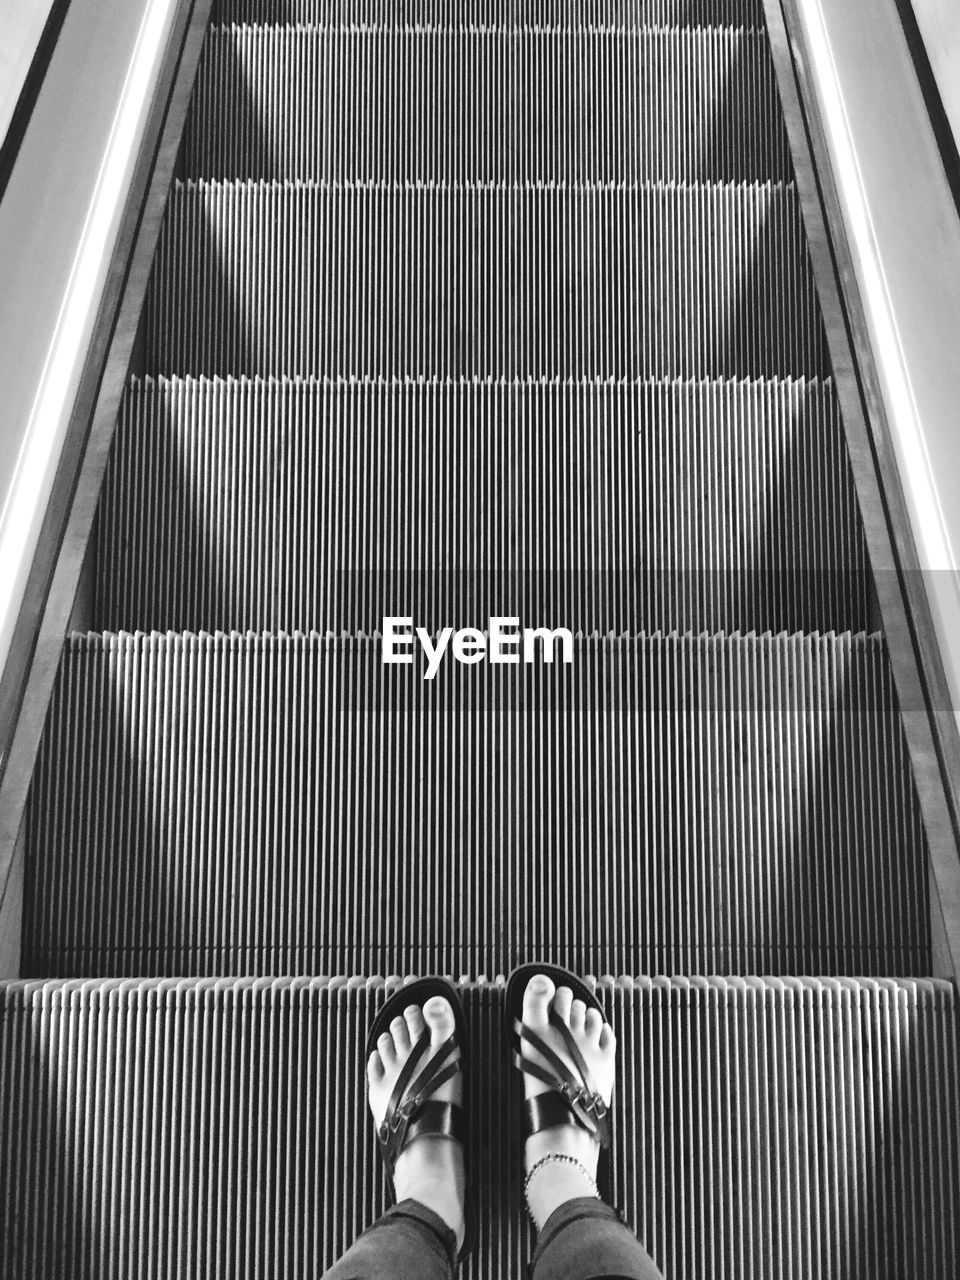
[[429, 1170]]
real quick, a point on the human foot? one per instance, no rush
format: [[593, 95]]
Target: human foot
[[430, 1169], [555, 1182]]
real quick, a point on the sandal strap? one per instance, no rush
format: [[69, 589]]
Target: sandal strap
[[564, 1076], [427, 1077], [574, 1050], [543, 1074], [582, 1100], [406, 1072], [426, 1118], [548, 1111], [417, 1115], [411, 1111], [582, 1107], [563, 1073], [439, 1120]]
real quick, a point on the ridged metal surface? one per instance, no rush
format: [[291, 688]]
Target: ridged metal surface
[[514, 281], [468, 13], [764, 1130], [291, 805], [492, 233], [486, 104], [318, 506]]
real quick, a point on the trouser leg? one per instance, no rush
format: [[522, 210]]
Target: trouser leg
[[410, 1242], [586, 1240]]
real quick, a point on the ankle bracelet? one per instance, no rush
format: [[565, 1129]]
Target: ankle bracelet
[[558, 1157]]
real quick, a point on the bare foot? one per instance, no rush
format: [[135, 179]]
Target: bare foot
[[430, 1170], [555, 1183]]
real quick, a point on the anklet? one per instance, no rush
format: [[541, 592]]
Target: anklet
[[558, 1157]]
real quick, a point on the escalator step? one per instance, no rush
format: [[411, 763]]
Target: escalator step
[[763, 1129], [477, 281], [484, 13], [284, 506], [271, 804], [530, 105]]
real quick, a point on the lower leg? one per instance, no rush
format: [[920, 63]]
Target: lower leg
[[561, 1162], [581, 1238], [429, 1170], [585, 1239], [419, 1238], [410, 1242]]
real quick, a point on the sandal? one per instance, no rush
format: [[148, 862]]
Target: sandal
[[569, 1100], [413, 1111]]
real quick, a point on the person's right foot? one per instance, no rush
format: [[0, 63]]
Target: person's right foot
[[558, 1181], [430, 1169]]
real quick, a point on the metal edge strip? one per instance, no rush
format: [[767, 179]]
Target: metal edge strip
[[921, 683], [27, 679]]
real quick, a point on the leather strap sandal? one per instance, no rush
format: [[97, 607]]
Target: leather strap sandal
[[572, 1098], [413, 1110]]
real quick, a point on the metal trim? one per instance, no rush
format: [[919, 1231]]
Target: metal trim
[[931, 731], [27, 679]]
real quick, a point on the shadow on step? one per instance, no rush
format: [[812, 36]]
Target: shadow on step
[[278, 804], [309, 506], [743, 137], [233, 140], [483, 282]]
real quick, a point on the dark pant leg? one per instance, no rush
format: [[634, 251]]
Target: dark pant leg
[[586, 1240], [410, 1242]]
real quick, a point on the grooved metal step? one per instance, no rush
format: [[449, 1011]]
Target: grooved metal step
[[483, 13], [625, 507], [591, 281], [795, 1128], [527, 104], [264, 804], [471, 307]]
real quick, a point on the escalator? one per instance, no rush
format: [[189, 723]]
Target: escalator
[[461, 311]]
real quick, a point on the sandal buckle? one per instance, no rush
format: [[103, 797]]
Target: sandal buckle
[[597, 1107], [398, 1123], [401, 1116], [576, 1094], [392, 1135], [579, 1095]]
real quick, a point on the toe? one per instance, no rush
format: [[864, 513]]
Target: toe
[[401, 1035], [388, 1053], [536, 1001], [375, 1068], [439, 1018], [578, 1014], [415, 1023], [593, 1025], [562, 1003], [608, 1040]]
